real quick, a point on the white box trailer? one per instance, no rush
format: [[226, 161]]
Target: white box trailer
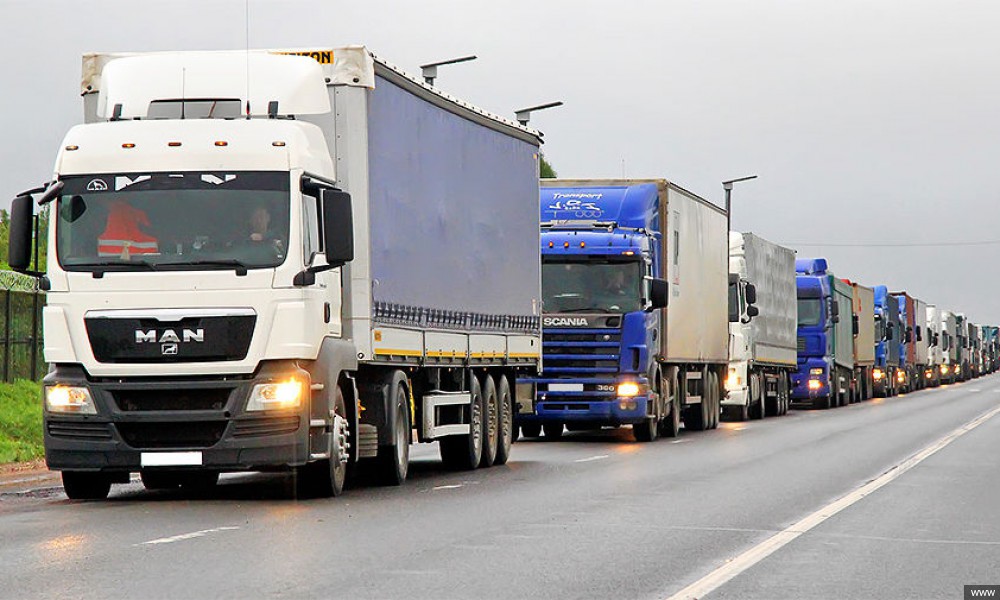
[[763, 338], [405, 255]]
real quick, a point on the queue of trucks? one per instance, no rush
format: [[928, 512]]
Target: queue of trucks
[[305, 261]]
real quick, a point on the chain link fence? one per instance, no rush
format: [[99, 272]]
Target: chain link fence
[[20, 327]]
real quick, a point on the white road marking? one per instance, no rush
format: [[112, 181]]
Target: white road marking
[[749, 558], [186, 536], [591, 458], [447, 487], [679, 441]]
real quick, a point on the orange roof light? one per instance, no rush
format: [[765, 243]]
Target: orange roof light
[[220, 143], [128, 145], [72, 148], [173, 144]]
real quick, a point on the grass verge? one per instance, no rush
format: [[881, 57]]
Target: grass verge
[[20, 421]]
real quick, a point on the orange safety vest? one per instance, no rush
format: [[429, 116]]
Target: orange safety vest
[[122, 236]]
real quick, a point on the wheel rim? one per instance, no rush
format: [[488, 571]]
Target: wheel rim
[[492, 421], [477, 424], [506, 423], [402, 439]]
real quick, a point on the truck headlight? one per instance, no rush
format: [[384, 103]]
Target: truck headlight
[[815, 384], [877, 374], [628, 389], [900, 376], [69, 399], [276, 396], [944, 369], [957, 368], [734, 381]]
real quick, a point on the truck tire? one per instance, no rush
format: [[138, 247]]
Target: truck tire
[[326, 478], [645, 431], [491, 421], [670, 426], [531, 430], [81, 485], [393, 461], [716, 405], [506, 430], [756, 408], [463, 452], [822, 403], [553, 431]]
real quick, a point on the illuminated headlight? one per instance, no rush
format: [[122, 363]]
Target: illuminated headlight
[[877, 374], [734, 381], [928, 373], [815, 371], [628, 389], [815, 384], [276, 396], [900, 376], [67, 399], [958, 368], [944, 369]]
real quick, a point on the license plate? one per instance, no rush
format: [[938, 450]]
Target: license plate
[[565, 387], [171, 459]]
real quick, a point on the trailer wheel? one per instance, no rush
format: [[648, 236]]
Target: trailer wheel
[[671, 426], [531, 430], [393, 461], [553, 431], [464, 452], [716, 405], [86, 486], [506, 430], [491, 421]]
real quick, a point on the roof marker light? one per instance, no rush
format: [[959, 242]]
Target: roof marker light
[[72, 148], [551, 244], [278, 144], [128, 145], [583, 244], [565, 244], [173, 144], [220, 143]]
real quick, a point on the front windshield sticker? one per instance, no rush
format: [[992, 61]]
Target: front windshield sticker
[[210, 178], [122, 182]]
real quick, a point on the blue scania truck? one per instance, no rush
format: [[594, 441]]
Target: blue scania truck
[[614, 354], [887, 373], [825, 340]]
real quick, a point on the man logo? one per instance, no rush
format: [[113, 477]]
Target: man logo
[[169, 336], [97, 185]]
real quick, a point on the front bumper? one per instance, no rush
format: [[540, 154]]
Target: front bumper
[[801, 391], [608, 412], [163, 415]]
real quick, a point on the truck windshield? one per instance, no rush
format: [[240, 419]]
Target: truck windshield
[[183, 221], [810, 311], [594, 286]]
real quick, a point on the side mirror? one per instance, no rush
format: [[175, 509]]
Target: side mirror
[[908, 335], [752, 311], [919, 338], [835, 312], [888, 332], [338, 227], [855, 328], [751, 294], [659, 293], [22, 217]]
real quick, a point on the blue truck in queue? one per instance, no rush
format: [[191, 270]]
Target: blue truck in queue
[[613, 251], [887, 348], [825, 340]]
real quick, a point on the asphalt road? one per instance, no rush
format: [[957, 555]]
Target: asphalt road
[[592, 516]]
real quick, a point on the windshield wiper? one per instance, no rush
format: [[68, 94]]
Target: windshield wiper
[[101, 266], [241, 268]]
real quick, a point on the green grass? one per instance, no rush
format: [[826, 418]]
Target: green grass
[[20, 421]]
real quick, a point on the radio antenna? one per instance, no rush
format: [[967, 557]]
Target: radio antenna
[[246, 14], [183, 92]]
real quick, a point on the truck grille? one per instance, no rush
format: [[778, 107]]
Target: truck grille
[[266, 426], [801, 345], [174, 399], [576, 353], [196, 434], [80, 430]]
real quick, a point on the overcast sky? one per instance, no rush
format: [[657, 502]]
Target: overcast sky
[[868, 121]]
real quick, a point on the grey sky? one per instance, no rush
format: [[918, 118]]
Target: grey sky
[[867, 120]]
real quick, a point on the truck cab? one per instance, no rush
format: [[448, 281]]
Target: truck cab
[[886, 374], [825, 349]]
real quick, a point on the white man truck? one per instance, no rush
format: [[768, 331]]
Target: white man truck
[[261, 261], [763, 310]]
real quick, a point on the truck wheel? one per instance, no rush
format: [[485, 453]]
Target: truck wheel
[[756, 408], [491, 420], [465, 451], [646, 430], [822, 403], [671, 426], [326, 478], [86, 486], [696, 417], [716, 406], [553, 431], [531, 430], [506, 429], [393, 461]]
